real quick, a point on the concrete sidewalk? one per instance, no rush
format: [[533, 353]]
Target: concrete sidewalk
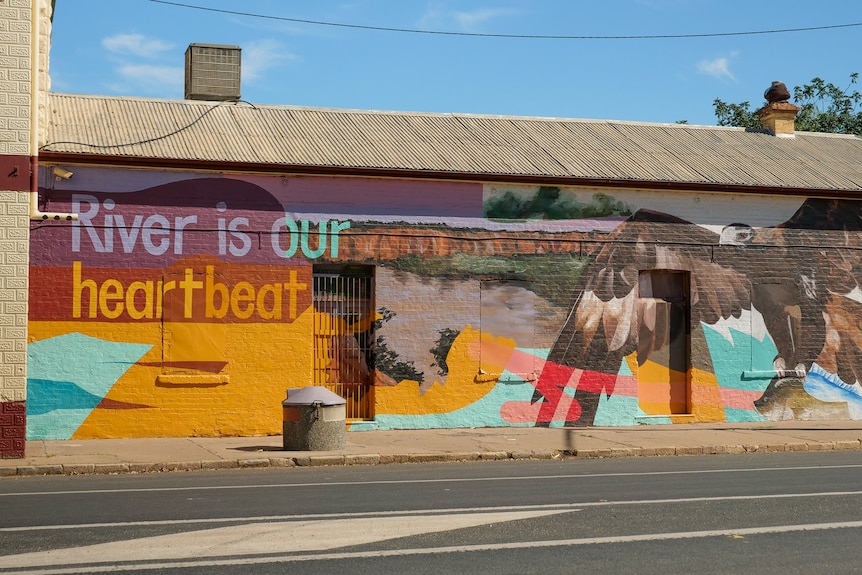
[[74, 457]]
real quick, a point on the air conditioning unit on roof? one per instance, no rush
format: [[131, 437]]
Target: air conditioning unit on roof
[[213, 72]]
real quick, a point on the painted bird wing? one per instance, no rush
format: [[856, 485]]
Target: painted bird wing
[[603, 326]]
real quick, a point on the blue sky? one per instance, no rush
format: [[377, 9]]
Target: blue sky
[[137, 48]]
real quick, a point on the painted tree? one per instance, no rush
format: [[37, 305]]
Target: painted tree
[[825, 108], [441, 348], [386, 360]]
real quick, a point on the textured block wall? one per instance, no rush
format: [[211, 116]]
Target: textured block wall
[[16, 126]]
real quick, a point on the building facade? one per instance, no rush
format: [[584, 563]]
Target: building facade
[[186, 262], [186, 302]]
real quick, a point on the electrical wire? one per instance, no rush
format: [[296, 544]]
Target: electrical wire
[[512, 36], [149, 140]]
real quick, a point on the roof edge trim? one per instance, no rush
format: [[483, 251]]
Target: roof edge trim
[[241, 167]]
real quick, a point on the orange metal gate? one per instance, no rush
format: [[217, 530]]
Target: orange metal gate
[[344, 335]]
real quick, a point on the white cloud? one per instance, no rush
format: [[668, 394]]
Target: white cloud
[[472, 21], [141, 64], [717, 68], [438, 17], [159, 81], [260, 56], [136, 45], [134, 70]]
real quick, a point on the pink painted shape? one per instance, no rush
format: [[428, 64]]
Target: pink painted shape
[[521, 412], [525, 365], [626, 386], [738, 398], [560, 406]]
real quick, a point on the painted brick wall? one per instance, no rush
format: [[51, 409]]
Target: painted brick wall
[[487, 322], [16, 126]]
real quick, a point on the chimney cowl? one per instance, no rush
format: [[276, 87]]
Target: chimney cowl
[[777, 92]]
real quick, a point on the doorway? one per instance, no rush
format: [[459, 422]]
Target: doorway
[[343, 297], [664, 336]]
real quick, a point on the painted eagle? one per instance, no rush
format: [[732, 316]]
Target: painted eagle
[[805, 290]]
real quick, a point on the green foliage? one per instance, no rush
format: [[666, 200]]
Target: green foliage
[[386, 360], [441, 349], [604, 205], [549, 204], [737, 115], [825, 108]]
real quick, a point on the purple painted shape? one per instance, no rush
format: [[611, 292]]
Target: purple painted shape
[[370, 197]]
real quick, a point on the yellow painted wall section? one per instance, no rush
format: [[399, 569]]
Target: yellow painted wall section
[[263, 360], [475, 363], [706, 403]]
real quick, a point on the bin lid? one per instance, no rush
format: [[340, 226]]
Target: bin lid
[[312, 395]]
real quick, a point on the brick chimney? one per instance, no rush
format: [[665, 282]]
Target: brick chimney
[[779, 115]]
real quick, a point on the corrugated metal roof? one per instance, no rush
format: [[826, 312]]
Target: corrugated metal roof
[[472, 145]]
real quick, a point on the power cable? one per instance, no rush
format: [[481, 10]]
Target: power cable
[[149, 140], [515, 36]]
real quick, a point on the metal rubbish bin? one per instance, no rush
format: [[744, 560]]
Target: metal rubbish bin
[[314, 420]]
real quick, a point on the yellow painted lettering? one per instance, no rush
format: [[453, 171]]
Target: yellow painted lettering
[[189, 285], [111, 291], [243, 292], [131, 295], [292, 287], [212, 288], [78, 287], [275, 311]]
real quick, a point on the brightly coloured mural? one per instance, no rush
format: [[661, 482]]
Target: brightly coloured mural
[[185, 304]]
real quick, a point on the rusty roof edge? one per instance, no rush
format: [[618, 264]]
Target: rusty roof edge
[[312, 170]]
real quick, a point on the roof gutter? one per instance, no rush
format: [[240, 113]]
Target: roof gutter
[[300, 169]]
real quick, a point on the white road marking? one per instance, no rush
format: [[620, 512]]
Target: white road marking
[[260, 538], [422, 481], [561, 507], [63, 569]]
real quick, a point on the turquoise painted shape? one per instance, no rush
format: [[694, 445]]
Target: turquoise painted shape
[[827, 386], [47, 395], [743, 353], [655, 420], [735, 415], [618, 409], [625, 370], [68, 376], [539, 352], [731, 358]]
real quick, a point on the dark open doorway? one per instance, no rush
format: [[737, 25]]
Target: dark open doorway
[[663, 342]]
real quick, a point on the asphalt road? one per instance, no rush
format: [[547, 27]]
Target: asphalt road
[[770, 513]]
